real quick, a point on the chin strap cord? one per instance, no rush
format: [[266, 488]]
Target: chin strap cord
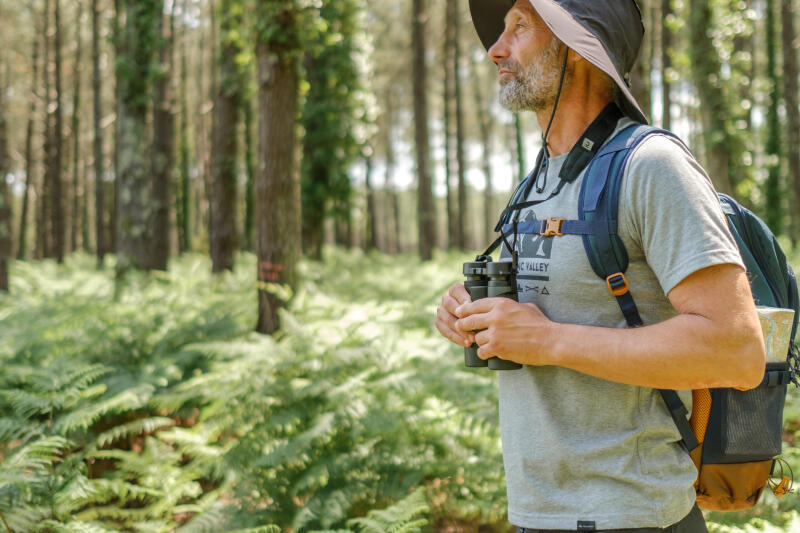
[[540, 188]]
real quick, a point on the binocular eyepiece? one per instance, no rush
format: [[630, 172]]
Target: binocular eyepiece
[[488, 279]]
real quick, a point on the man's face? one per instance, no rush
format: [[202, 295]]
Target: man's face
[[528, 61]]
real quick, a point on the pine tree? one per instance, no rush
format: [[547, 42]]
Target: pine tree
[[425, 208], [277, 194]]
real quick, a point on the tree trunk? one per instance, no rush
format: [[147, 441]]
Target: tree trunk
[[520, 148], [250, 168], [371, 236], [640, 76], [773, 190], [484, 125], [162, 158], [45, 244], [706, 73], [277, 189], [224, 148], [58, 227], [29, 163], [5, 190], [391, 189], [99, 186], [183, 193], [790, 92], [120, 52], [135, 207], [666, 64], [425, 208], [453, 227], [77, 189], [463, 208]]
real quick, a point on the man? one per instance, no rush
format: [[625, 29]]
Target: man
[[588, 443]]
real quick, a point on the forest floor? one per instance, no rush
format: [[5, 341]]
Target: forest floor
[[163, 411]]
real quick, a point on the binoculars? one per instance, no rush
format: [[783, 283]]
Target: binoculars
[[487, 279]]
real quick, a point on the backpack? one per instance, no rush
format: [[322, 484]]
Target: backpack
[[733, 436]]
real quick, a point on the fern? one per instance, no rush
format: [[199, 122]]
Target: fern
[[405, 516], [137, 427]]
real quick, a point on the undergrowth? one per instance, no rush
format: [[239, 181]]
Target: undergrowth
[[163, 411]]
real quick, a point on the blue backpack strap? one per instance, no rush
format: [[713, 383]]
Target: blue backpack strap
[[598, 205]]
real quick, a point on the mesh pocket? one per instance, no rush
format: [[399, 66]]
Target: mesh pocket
[[754, 421], [746, 426]]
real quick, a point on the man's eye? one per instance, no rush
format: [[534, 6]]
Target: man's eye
[[519, 26]]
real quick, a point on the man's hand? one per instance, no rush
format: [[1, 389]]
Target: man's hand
[[510, 330], [446, 316]]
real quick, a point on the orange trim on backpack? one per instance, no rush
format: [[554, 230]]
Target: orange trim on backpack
[[618, 291]]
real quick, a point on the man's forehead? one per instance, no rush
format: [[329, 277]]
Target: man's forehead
[[521, 7]]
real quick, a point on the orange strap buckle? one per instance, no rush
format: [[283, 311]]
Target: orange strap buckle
[[552, 227], [617, 284]]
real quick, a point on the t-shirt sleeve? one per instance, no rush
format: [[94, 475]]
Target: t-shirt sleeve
[[669, 207]]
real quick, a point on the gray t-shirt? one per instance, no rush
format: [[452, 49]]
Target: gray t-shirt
[[579, 448]]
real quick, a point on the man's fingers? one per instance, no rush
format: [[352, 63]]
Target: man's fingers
[[473, 322], [459, 293], [450, 334], [484, 305]]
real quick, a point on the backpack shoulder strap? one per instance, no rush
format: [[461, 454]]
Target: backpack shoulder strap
[[598, 205]]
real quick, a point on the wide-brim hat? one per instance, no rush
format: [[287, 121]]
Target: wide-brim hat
[[607, 33]]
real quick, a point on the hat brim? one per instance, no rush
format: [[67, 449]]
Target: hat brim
[[488, 17]]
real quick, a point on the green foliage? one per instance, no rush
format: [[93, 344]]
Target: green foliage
[[164, 412], [332, 113]]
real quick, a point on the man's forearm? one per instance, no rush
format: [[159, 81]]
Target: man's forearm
[[684, 352]]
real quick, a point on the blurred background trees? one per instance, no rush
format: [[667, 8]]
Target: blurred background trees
[[147, 129]]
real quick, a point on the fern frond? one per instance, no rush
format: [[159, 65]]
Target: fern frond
[[405, 516], [136, 427], [84, 417], [35, 458], [260, 529], [77, 526], [290, 451], [208, 520]]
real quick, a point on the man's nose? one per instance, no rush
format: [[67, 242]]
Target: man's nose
[[499, 49]]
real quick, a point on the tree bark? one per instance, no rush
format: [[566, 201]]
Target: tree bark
[[224, 148], [277, 188], [520, 148], [425, 208], [790, 92], [640, 76], [77, 188], [463, 230], [371, 236], [56, 202], [5, 190], [135, 207], [453, 227], [45, 236], [396, 246], [706, 73], [484, 125], [250, 168], [666, 65], [773, 190], [99, 185], [22, 250], [162, 158], [183, 193]]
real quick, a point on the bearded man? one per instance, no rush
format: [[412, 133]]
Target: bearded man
[[588, 443]]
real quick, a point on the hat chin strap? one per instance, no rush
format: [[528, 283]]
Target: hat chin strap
[[540, 189]]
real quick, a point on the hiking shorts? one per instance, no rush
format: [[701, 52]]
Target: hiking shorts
[[692, 523]]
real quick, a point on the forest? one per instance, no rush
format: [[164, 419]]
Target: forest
[[226, 225]]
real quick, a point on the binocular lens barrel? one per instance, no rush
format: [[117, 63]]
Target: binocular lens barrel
[[486, 279], [477, 286]]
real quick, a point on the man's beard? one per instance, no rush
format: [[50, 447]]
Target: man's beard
[[533, 88]]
